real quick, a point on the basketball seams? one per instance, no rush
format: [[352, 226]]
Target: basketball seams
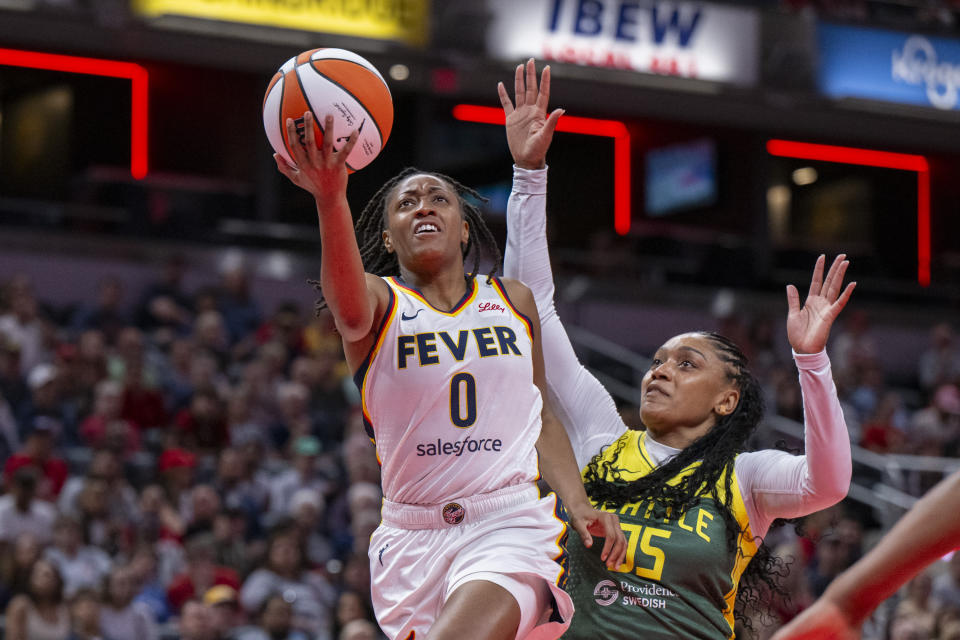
[[375, 73], [349, 93], [306, 98]]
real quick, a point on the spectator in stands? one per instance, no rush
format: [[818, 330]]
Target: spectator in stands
[[120, 617], [159, 519], [13, 386], [196, 622], [238, 487], [306, 510], [90, 365], [939, 422], [946, 586], [176, 467], [293, 401], [140, 374], [285, 572], [359, 630], [284, 326], [854, 346], [210, 334], [85, 615], [229, 531], [107, 314], [350, 606], [884, 430], [176, 377], [16, 565], [80, 565], [203, 426], [939, 364], [302, 475], [150, 591], [23, 326], [105, 427], [40, 613], [203, 507], [37, 451], [46, 400], [201, 572], [274, 622], [93, 505], [918, 606], [21, 512], [226, 616], [105, 465], [164, 304], [9, 431], [241, 313]]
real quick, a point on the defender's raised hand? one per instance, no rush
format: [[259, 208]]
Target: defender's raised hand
[[809, 327], [321, 170], [529, 128]]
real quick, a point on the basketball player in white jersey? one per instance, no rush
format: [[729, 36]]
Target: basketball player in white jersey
[[451, 372]]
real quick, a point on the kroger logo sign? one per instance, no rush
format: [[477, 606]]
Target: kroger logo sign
[[916, 63], [889, 66]]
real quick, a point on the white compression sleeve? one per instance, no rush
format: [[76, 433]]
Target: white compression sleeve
[[776, 484], [578, 399]]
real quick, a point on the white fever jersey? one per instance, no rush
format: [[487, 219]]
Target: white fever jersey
[[448, 396]]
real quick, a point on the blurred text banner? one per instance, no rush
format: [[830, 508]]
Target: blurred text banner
[[399, 20], [889, 65], [686, 39]]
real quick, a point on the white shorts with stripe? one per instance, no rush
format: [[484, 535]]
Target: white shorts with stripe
[[420, 553]]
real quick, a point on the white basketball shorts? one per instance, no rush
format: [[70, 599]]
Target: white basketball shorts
[[420, 553]]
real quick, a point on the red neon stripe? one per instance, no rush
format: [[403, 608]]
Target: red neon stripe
[[587, 126], [923, 228], [139, 81], [873, 158]]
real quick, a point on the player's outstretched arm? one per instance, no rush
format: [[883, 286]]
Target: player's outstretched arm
[[780, 485], [584, 407], [557, 461], [928, 531], [321, 170]]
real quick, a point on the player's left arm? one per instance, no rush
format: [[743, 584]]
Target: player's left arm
[[557, 462]]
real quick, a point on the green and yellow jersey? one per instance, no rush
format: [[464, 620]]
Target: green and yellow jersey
[[679, 579]]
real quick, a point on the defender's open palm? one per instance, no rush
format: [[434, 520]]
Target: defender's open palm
[[321, 170], [529, 128], [808, 327]]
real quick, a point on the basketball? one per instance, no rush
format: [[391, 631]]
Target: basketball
[[330, 81]]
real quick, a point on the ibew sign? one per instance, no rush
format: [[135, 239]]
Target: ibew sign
[[691, 39], [890, 66]]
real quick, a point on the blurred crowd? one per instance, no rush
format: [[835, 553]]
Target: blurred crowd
[[184, 464], [180, 464]]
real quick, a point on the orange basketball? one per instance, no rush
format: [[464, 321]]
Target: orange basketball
[[330, 81]]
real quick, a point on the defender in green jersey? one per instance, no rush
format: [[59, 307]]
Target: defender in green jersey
[[679, 571]]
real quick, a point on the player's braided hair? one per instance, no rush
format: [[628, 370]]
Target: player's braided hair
[[373, 220], [715, 452]]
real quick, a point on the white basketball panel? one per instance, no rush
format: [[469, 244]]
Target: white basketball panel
[[343, 54], [326, 97], [273, 122]]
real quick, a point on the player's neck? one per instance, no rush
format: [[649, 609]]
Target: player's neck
[[443, 290]]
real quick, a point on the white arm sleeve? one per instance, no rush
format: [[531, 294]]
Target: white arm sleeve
[[776, 484], [577, 398]]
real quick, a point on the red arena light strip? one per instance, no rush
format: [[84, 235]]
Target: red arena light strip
[[873, 158], [587, 126], [136, 74]]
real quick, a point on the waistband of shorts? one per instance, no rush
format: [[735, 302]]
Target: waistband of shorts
[[458, 511]]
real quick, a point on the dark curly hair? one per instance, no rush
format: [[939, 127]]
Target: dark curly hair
[[715, 451], [373, 220]]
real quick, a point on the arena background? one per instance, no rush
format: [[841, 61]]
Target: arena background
[[160, 358]]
